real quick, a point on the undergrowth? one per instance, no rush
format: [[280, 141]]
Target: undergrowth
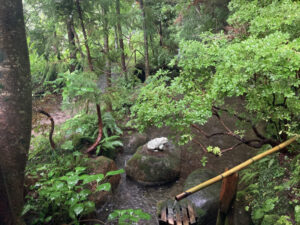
[[273, 189]]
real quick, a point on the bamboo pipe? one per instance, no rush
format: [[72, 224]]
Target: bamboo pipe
[[234, 169]]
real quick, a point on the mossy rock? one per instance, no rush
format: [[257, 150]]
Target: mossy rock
[[111, 153], [102, 165], [206, 201], [154, 168], [133, 142]]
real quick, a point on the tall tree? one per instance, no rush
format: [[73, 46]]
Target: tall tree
[[79, 10], [72, 45], [15, 110], [146, 52], [120, 37]]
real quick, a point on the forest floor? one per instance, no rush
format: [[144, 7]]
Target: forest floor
[[192, 153]]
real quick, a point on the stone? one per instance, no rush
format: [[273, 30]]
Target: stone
[[134, 141], [102, 165], [154, 167], [206, 201]]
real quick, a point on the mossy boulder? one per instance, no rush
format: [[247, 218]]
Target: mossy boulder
[[133, 141], [206, 201], [154, 167], [102, 165]]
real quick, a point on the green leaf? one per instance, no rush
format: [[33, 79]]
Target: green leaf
[[297, 213], [77, 209], [90, 178], [258, 214], [104, 187], [116, 172]]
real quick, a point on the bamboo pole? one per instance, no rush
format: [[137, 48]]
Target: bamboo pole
[[234, 169]]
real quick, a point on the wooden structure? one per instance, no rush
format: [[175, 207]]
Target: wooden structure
[[177, 214], [227, 198]]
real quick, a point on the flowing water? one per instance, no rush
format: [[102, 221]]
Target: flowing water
[[131, 195]]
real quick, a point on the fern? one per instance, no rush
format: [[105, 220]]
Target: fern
[[110, 143], [109, 125]]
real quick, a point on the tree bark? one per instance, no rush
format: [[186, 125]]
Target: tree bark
[[146, 51], [15, 110], [77, 41], [160, 31], [79, 10], [121, 42], [106, 51], [72, 45]]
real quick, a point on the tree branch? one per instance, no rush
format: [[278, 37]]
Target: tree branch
[[92, 148], [53, 146]]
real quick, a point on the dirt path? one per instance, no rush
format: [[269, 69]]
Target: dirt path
[[52, 105]]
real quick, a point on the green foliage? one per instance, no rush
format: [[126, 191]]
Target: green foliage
[[261, 68], [64, 198], [268, 183], [203, 161], [128, 216], [214, 150], [80, 88]]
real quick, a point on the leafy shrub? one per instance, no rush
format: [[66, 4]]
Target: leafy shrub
[[271, 190], [128, 216], [64, 198]]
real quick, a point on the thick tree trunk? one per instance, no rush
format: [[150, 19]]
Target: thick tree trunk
[[72, 46], [147, 68], [15, 110], [84, 35], [121, 42]]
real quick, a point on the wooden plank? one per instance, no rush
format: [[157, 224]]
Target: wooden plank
[[191, 214], [170, 213], [185, 216], [178, 215], [163, 214], [228, 192]]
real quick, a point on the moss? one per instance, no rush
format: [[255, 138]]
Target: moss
[[112, 153]]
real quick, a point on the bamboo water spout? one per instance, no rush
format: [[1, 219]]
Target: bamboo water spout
[[234, 169]]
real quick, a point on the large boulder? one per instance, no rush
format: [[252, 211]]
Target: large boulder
[[155, 166], [206, 201], [102, 165], [133, 141]]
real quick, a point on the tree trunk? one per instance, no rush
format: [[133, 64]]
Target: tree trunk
[[106, 51], [147, 68], [160, 31], [55, 46], [120, 36], [15, 110], [77, 41], [84, 35], [72, 46]]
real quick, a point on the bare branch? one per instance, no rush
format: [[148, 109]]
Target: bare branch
[[52, 143], [92, 149]]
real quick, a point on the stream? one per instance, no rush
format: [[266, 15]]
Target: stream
[[131, 195]]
